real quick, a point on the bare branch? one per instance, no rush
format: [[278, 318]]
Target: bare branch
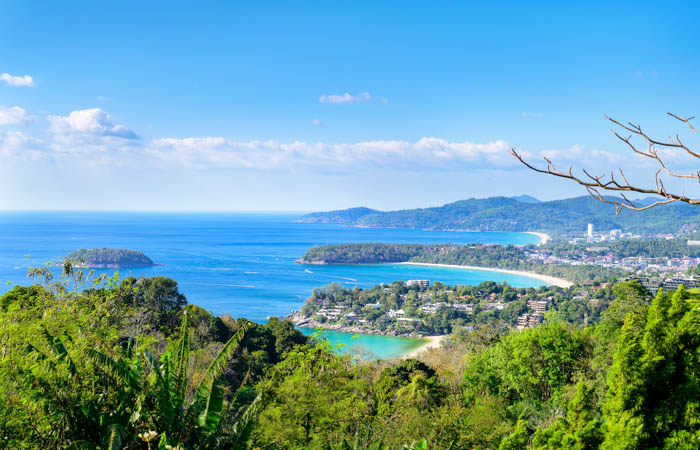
[[594, 184], [684, 120]]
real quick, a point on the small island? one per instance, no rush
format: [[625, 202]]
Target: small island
[[109, 258]]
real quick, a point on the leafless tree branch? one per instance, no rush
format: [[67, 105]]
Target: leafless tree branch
[[595, 184]]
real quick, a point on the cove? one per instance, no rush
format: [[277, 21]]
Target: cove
[[372, 345]]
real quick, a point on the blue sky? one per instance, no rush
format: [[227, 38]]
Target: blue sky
[[324, 105]]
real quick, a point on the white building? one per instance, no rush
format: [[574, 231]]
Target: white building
[[423, 284]]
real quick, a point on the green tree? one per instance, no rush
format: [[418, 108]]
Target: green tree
[[312, 399], [654, 394], [579, 430], [518, 439]]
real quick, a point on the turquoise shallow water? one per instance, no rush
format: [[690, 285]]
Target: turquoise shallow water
[[372, 346], [237, 264]]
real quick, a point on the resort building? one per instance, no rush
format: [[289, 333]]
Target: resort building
[[422, 284], [528, 321]]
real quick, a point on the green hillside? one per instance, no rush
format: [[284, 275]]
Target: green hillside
[[569, 216]]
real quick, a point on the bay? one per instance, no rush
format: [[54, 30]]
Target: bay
[[238, 264]]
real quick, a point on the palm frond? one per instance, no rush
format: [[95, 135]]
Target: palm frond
[[210, 416], [182, 360], [116, 435], [117, 369], [215, 370]]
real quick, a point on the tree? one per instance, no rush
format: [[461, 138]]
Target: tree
[[531, 366], [596, 184], [653, 396], [413, 381], [580, 429], [312, 399], [518, 439], [158, 295]]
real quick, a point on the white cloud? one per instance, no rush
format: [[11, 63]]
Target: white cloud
[[14, 80], [89, 123], [12, 115], [17, 144], [345, 98], [426, 153], [316, 122], [527, 115]]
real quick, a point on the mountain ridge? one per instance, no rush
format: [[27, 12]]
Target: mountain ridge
[[512, 214]]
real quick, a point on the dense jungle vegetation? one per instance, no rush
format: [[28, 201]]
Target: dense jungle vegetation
[[130, 364]]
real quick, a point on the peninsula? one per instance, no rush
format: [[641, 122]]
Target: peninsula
[[503, 258], [109, 258], [419, 308]]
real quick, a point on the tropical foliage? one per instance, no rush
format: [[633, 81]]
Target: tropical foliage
[[85, 368]]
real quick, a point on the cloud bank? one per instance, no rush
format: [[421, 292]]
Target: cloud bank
[[92, 137]]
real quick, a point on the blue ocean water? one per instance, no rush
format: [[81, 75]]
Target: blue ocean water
[[237, 264]]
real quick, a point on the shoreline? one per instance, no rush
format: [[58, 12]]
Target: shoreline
[[554, 281], [348, 329], [544, 237], [433, 342], [430, 342]]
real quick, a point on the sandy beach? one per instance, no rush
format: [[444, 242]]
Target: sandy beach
[[433, 342], [544, 237], [554, 281]]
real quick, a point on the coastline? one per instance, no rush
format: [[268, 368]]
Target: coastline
[[350, 329], [433, 342], [554, 281], [544, 237]]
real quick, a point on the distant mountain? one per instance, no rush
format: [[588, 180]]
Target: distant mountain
[[569, 216], [342, 216], [526, 199]]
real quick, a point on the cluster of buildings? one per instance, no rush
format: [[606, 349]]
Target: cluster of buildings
[[528, 320], [613, 235], [422, 284], [653, 284], [538, 306], [602, 256], [591, 236], [432, 308]]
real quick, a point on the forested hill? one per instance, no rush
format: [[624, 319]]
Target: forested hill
[[514, 214], [113, 258], [494, 256]]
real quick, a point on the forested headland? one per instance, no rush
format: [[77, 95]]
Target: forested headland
[[403, 309], [509, 257]]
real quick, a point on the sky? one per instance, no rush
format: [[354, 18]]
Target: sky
[[302, 106]]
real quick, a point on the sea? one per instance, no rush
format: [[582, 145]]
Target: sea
[[240, 264]]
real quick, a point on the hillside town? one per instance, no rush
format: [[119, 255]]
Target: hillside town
[[421, 308]]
